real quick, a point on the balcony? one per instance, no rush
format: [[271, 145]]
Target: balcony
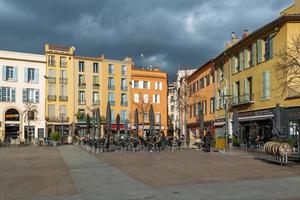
[[81, 101], [57, 119], [81, 85], [112, 103], [51, 98], [124, 103], [63, 98], [111, 87], [241, 100], [124, 88], [96, 86], [63, 80], [51, 80], [51, 63], [63, 64]]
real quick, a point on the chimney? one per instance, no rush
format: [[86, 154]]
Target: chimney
[[233, 36], [245, 34]]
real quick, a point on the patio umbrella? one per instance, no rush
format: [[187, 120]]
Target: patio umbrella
[[118, 123], [108, 119], [88, 124], [136, 122], [126, 127], [98, 134], [151, 120]]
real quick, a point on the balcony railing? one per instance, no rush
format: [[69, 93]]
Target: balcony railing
[[57, 119], [51, 63], [82, 101], [242, 100], [52, 80], [63, 98], [51, 97], [112, 103], [124, 88], [111, 87], [63, 64], [82, 85], [124, 103], [96, 86], [63, 80]]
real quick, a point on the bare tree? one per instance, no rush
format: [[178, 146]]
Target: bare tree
[[142, 107], [30, 113], [288, 68]]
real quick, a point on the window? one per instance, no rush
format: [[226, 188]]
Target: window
[[145, 84], [123, 70], [124, 99], [235, 64], [9, 73], [208, 80], [212, 77], [158, 86], [241, 61], [111, 98], [95, 68], [248, 89], [31, 95], [51, 60], [7, 94], [145, 117], [294, 127], [268, 48], [212, 105], [113, 119], [172, 99], [111, 69], [247, 58], [96, 98], [253, 55], [111, 83], [221, 99], [156, 98], [51, 89], [172, 108], [136, 98], [157, 117], [259, 47], [95, 80], [220, 72], [135, 84], [236, 92], [204, 104], [123, 116], [81, 97], [81, 79], [51, 73], [146, 98], [30, 75], [81, 66], [194, 109], [201, 83], [51, 111], [62, 111], [123, 84], [81, 114], [63, 74], [266, 85], [63, 62]]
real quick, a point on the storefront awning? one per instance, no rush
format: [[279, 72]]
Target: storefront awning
[[219, 123], [255, 118]]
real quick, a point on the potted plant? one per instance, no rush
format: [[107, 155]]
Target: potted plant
[[55, 137]]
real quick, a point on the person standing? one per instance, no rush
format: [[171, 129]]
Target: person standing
[[207, 141]]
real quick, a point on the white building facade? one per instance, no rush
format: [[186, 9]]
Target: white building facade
[[22, 96], [171, 105]]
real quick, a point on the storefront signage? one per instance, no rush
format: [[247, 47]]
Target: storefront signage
[[220, 120], [12, 117], [256, 113], [294, 114]]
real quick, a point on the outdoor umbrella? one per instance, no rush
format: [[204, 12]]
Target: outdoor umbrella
[[88, 124], [118, 123], [98, 134], [136, 122], [108, 119], [152, 120]]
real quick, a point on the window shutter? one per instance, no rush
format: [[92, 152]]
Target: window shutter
[[267, 84], [26, 75], [264, 85], [271, 46], [246, 58], [13, 94], [153, 98], [24, 95], [37, 96], [4, 73], [132, 83], [158, 98], [149, 85], [0, 94], [155, 85], [160, 85], [246, 90], [141, 84], [36, 76], [241, 62], [232, 65], [253, 58], [15, 74], [259, 51]]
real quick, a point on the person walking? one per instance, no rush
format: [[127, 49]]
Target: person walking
[[207, 141]]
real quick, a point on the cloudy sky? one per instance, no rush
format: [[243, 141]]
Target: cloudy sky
[[169, 33]]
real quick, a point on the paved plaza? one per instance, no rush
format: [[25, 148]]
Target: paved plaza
[[69, 172]]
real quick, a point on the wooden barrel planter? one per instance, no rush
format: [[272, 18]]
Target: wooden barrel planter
[[281, 151]]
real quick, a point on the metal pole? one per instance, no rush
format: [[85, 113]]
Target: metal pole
[[62, 129]]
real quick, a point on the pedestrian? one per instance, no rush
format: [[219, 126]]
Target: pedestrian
[[207, 141]]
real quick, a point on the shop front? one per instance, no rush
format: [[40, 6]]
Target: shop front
[[12, 124]]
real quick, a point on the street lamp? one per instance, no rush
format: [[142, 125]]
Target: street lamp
[[225, 104], [62, 128]]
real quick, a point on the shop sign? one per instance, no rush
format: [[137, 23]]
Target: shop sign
[[12, 117], [294, 114], [220, 120], [255, 113]]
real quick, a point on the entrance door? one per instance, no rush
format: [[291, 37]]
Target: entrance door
[[12, 127], [11, 131], [29, 134]]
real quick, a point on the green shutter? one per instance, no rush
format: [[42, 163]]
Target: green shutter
[[267, 84], [246, 59], [13, 94], [246, 90], [253, 54], [271, 46], [241, 61], [259, 51]]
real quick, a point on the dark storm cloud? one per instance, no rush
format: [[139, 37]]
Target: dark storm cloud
[[169, 33]]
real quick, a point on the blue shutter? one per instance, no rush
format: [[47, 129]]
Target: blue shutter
[[37, 96], [0, 94], [26, 75], [13, 94], [4, 73], [36, 76], [15, 74], [24, 95]]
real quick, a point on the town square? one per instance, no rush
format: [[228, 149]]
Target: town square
[[138, 99]]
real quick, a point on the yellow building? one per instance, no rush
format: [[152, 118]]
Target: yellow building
[[149, 87], [248, 81], [59, 88]]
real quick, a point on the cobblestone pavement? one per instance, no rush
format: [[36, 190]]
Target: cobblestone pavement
[[188, 174]]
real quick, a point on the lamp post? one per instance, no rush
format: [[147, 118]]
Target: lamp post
[[225, 104], [62, 128]]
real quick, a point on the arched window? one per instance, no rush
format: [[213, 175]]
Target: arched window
[[12, 115]]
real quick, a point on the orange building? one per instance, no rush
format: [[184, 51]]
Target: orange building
[[149, 87], [201, 102]]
